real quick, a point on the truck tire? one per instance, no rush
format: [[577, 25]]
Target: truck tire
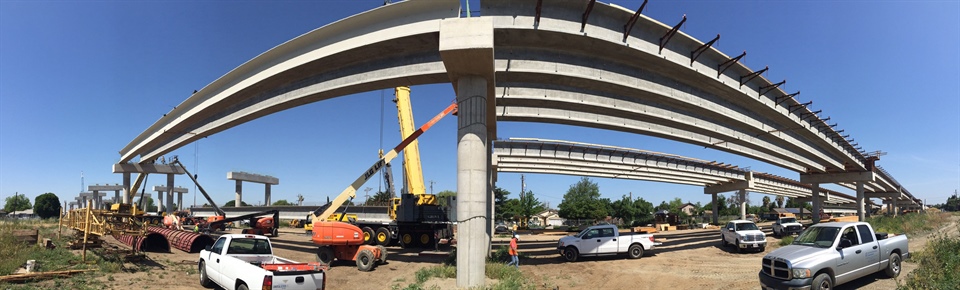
[[822, 282], [274, 232], [242, 287], [893, 268], [571, 254], [723, 242], [739, 249], [776, 234], [204, 279], [383, 254], [368, 236], [325, 255], [383, 236], [366, 260], [405, 240], [635, 251]]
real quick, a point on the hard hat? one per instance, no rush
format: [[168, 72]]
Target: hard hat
[[516, 236]]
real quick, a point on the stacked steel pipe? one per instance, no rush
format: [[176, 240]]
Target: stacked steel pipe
[[189, 242], [152, 242]]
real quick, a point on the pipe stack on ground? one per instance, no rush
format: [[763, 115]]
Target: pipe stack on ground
[[152, 242], [189, 242]]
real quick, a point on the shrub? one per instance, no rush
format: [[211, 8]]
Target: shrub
[[939, 265], [786, 241]]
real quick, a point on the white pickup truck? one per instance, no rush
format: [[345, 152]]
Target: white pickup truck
[[602, 240], [241, 262]]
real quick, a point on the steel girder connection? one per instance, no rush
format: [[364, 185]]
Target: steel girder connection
[[523, 155]]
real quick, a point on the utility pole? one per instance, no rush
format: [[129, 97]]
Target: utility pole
[[431, 186], [367, 194]]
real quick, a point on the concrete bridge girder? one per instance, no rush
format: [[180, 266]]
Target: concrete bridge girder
[[600, 174], [611, 173], [618, 162], [611, 168]]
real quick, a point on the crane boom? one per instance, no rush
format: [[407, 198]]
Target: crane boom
[[351, 191], [413, 170], [204, 192]]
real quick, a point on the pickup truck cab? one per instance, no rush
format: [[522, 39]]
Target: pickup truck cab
[[830, 254], [242, 262], [603, 240], [744, 234], [786, 226]]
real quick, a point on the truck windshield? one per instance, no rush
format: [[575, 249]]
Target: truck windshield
[[787, 220], [246, 246], [746, 227], [821, 237]]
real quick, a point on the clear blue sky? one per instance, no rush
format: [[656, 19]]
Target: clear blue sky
[[80, 79]]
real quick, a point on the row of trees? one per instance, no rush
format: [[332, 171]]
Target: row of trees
[[46, 205]]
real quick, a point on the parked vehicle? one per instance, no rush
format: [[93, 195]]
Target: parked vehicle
[[786, 226], [242, 262], [831, 254], [744, 234], [603, 240]]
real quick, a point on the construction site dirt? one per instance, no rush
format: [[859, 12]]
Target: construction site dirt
[[688, 259]]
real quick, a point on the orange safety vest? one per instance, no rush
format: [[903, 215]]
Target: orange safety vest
[[513, 247]]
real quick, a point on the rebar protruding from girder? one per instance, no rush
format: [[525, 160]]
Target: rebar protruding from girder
[[727, 64], [633, 20], [766, 89], [804, 116], [694, 54], [536, 20], [751, 76], [666, 37], [783, 98], [797, 106], [586, 14]]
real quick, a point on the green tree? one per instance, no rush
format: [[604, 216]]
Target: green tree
[[443, 195], [766, 201], [633, 212], [529, 206], [282, 202], [47, 205], [499, 201], [510, 210], [17, 202], [232, 202], [582, 201], [147, 204], [780, 200], [953, 202]]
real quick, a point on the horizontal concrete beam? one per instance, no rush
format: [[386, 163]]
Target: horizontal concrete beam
[[147, 168], [866, 176], [726, 187], [257, 178], [881, 194], [86, 194], [97, 187], [178, 189]]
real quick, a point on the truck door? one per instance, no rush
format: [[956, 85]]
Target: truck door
[[871, 251], [590, 242], [213, 261], [853, 256], [609, 243]]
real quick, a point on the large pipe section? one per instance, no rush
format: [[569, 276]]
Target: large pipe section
[[152, 242], [189, 242]]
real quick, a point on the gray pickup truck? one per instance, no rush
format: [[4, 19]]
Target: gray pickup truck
[[830, 254]]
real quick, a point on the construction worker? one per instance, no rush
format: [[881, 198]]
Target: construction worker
[[513, 251], [196, 228]]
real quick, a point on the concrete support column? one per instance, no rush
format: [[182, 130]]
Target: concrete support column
[[815, 200], [84, 202], [490, 204], [160, 195], [860, 202], [266, 194], [239, 190], [179, 200], [472, 181], [169, 206], [126, 188], [893, 206], [97, 203], [116, 196], [743, 204], [716, 211]]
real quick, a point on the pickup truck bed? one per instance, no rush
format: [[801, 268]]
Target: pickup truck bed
[[247, 261]]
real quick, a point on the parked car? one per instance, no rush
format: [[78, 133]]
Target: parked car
[[786, 226], [744, 234], [243, 262], [604, 240], [830, 254], [501, 229]]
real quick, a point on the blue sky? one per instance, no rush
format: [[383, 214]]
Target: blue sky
[[80, 79]]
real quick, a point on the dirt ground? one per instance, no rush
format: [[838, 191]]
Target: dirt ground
[[690, 259]]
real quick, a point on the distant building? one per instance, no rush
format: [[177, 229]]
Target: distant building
[[689, 209], [547, 218], [24, 214]]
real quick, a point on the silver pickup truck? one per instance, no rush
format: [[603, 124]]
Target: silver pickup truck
[[830, 254]]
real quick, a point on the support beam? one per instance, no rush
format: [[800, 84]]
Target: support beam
[[146, 168], [725, 187], [239, 197], [743, 204], [716, 212], [866, 176], [860, 200], [169, 206], [815, 194], [882, 194]]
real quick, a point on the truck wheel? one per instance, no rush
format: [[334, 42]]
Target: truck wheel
[[325, 255], [242, 287], [405, 240], [383, 236], [366, 260], [893, 268], [776, 234], [383, 254], [723, 242], [274, 232], [368, 236], [571, 254], [822, 282], [739, 249], [635, 251], [204, 279]]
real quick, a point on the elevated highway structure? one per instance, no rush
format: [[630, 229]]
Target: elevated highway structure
[[582, 63]]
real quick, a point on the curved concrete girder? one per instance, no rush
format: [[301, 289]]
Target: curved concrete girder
[[606, 26], [609, 167], [555, 116], [643, 107], [597, 174], [283, 64]]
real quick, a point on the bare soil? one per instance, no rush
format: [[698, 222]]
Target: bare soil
[[689, 259]]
